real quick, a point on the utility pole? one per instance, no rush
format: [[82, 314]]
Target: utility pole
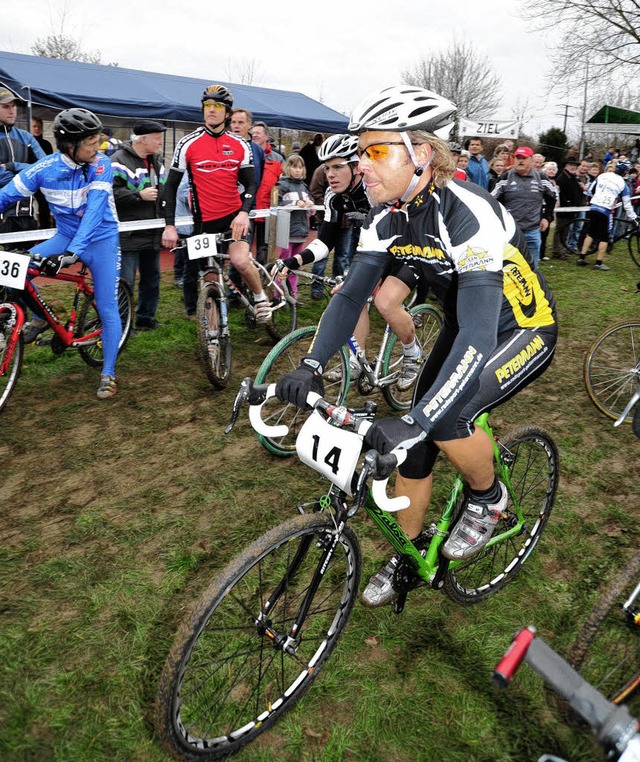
[[584, 110], [566, 115]]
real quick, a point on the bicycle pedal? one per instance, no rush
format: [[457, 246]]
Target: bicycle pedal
[[398, 605]]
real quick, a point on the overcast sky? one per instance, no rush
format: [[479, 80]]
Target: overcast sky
[[335, 51]]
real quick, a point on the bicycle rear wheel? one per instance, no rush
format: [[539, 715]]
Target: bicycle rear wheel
[[89, 321], [606, 651], [428, 323], [9, 379], [612, 368], [284, 357], [573, 231], [533, 462], [634, 248], [232, 673], [214, 345]]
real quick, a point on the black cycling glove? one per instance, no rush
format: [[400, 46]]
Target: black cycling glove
[[294, 387], [51, 266], [388, 433], [291, 263]]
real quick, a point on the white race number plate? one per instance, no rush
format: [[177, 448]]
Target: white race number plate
[[13, 269], [203, 245]]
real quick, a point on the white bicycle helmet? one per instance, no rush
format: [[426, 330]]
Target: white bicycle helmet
[[401, 108], [339, 147]]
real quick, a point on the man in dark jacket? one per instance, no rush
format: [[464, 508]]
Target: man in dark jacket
[[18, 150], [571, 194], [138, 175]]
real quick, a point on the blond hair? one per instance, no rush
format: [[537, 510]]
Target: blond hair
[[442, 164], [292, 161]]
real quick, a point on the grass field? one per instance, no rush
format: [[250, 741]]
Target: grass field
[[116, 514]]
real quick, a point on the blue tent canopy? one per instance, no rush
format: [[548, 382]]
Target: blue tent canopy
[[115, 91]]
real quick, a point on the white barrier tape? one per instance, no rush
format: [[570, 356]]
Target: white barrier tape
[[134, 225]]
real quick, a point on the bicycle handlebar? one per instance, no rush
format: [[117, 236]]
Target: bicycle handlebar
[[376, 466], [614, 727]]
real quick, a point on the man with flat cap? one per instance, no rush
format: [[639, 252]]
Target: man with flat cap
[[18, 150], [138, 177]]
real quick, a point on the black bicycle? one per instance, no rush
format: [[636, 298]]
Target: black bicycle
[[576, 230]]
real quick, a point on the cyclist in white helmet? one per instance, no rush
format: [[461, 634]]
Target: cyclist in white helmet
[[500, 325], [346, 197]]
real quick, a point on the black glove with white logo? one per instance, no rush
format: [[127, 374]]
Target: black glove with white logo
[[294, 387], [388, 433]]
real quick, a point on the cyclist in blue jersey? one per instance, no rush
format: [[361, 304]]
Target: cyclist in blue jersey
[[500, 324], [77, 183]]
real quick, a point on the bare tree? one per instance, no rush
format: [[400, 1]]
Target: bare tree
[[64, 47], [461, 74], [522, 111], [245, 71], [604, 32]]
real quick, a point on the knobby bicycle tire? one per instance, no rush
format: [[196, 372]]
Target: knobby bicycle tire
[[89, 321], [612, 368], [634, 248], [606, 651], [567, 232], [533, 462], [284, 357], [227, 678], [214, 348], [636, 421], [9, 379], [428, 322]]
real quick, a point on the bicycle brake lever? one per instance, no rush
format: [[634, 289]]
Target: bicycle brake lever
[[241, 397]]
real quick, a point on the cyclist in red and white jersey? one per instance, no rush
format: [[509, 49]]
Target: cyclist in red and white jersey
[[223, 186]]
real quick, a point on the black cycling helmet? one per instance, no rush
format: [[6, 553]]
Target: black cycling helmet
[[622, 166], [75, 124], [218, 93]]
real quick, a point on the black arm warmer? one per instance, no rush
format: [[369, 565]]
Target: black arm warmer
[[340, 318], [169, 193], [247, 178]]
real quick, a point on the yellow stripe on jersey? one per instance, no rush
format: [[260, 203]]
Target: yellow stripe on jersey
[[522, 289]]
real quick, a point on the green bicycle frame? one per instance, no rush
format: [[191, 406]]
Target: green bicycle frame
[[426, 567]]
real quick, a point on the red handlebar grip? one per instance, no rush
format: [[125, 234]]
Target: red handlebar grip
[[507, 666]]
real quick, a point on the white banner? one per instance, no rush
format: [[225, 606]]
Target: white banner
[[487, 128]]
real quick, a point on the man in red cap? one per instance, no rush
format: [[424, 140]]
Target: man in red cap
[[529, 196]]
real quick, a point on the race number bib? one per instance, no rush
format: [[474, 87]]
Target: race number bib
[[329, 450], [203, 245], [13, 269]]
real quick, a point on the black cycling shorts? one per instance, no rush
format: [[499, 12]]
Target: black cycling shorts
[[599, 226], [220, 226], [520, 357]]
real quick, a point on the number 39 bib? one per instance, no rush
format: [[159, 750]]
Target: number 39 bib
[[329, 450]]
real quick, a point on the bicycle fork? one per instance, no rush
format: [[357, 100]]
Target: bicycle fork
[[286, 642], [15, 321]]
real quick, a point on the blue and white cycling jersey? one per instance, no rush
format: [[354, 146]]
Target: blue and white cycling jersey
[[80, 197], [609, 187]]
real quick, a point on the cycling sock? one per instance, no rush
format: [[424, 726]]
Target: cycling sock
[[411, 350], [261, 297], [485, 497]]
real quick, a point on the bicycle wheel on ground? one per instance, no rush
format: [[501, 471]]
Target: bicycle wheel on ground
[[612, 368], [89, 321], [9, 378], [284, 314], [533, 462], [572, 235], [634, 248], [428, 323], [606, 651], [214, 344], [284, 357], [233, 671], [636, 421]]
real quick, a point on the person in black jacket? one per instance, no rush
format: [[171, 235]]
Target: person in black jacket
[[138, 175], [571, 194]]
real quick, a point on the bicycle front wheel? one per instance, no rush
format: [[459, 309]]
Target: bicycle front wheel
[[284, 313], [89, 321], [214, 344], [533, 462], [233, 670], [634, 248], [9, 378], [284, 357], [606, 651], [612, 368], [428, 323]]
